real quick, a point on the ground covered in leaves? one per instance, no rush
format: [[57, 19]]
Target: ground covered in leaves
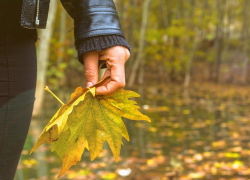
[[203, 133]]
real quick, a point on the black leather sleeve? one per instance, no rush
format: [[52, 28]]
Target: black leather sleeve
[[95, 18]]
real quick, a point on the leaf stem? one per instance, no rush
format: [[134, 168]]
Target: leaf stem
[[46, 88]]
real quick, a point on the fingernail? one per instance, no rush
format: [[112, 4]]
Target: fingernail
[[89, 84]]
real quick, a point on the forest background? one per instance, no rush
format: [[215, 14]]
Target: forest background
[[190, 64], [182, 42]]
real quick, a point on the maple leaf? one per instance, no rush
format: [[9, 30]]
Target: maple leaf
[[75, 98], [50, 132], [69, 151], [58, 121], [87, 121]]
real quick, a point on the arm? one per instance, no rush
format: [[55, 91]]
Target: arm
[[95, 18], [96, 25], [98, 36]]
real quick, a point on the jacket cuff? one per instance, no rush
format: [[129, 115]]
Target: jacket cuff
[[99, 43]]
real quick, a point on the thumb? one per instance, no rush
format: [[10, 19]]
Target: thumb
[[90, 60]]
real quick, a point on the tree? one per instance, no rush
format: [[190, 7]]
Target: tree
[[43, 56], [194, 46], [245, 33], [218, 42], [62, 35], [139, 57]]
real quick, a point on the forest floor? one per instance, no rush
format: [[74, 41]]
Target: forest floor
[[202, 133]]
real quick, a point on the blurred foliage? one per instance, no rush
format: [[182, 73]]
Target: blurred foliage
[[169, 40]]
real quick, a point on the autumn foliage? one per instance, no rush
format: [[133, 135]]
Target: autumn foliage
[[87, 121]]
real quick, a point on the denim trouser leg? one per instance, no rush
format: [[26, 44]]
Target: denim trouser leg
[[17, 90]]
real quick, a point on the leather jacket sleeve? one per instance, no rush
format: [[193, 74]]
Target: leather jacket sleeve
[[96, 25]]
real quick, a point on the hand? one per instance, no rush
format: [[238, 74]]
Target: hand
[[115, 58]]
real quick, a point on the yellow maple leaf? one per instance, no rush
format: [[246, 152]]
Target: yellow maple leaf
[[99, 118], [58, 121], [70, 151], [87, 121]]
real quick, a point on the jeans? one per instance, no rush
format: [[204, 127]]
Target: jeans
[[18, 67]]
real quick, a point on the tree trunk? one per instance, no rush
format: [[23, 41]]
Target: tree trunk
[[62, 35], [43, 56], [42, 166], [246, 41], [141, 80], [227, 34], [131, 36], [163, 9], [193, 49], [218, 43], [138, 59]]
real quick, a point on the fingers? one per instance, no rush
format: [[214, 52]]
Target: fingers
[[116, 51], [117, 80], [90, 60], [115, 60], [110, 88]]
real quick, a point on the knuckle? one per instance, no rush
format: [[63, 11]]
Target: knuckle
[[127, 54], [121, 84], [118, 54], [90, 73]]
